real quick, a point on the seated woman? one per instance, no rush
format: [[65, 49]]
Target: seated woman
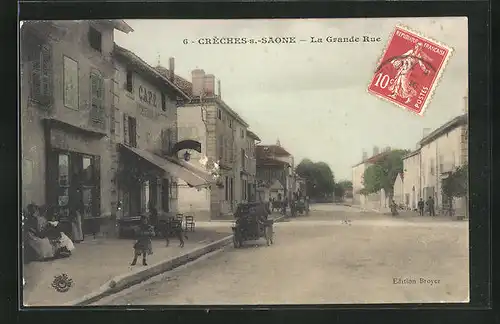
[[37, 245], [61, 242]]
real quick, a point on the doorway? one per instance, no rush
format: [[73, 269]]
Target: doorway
[[75, 187]]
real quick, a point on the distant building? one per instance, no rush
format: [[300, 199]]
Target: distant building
[[276, 163], [411, 184], [374, 200]]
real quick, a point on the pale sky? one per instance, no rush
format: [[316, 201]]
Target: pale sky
[[312, 97]]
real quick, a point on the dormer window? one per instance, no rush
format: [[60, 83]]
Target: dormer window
[[95, 39]]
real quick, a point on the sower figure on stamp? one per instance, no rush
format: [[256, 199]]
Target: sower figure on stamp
[[143, 245], [405, 64]]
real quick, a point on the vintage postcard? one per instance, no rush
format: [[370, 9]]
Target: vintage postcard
[[223, 162]]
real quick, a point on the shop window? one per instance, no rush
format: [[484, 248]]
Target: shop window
[[173, 190], [145, 196], [165, 195], [129, 86], [95, 39], [97, 97]]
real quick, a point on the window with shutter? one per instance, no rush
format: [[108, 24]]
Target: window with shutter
[[125, 129], [41, 75], [97, 98]]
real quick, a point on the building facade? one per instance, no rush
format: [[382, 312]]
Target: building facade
[[66, 116], [222, 134], [274, 163], [98, 125], [441, 152], [378, 200], [145, 134]]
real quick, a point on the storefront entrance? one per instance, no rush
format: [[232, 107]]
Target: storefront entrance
[[75, 186]]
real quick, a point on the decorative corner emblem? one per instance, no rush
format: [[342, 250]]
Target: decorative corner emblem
[[62, 283]]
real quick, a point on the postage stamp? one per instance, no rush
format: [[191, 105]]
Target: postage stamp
[[409, 70]]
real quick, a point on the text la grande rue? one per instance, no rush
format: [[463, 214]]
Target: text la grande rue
[[352, 39]]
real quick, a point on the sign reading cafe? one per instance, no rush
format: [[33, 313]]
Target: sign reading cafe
[[147, 96]]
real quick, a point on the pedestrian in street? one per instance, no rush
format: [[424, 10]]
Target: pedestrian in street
[[421, 206], [143, 245], [153, 216], [430, 206]]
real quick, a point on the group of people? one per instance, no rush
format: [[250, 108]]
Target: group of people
[[44, 235], [430, 206]]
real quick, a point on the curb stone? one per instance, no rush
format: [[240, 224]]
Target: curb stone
[[122, 282]]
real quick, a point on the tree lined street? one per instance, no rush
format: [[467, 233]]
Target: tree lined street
[[338, 254]]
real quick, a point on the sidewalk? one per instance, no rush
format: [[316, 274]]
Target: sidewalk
[[95, 262]]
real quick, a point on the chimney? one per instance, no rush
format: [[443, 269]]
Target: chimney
[[198, 81], [425, 132], [218, 89], [209, 86], [365, 155], [376, 150], [171, 69]]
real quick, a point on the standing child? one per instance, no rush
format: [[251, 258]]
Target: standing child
[[143, 244]]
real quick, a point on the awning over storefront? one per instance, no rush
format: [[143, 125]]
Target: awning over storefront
[[173, 169]]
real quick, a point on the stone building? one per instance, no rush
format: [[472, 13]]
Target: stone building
[[89, 108], [66, 116], [441, 152], [377, 200], [222, 134], [145, 133]]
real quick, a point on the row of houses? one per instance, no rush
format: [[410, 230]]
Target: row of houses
[[437, 154], [105, 132]]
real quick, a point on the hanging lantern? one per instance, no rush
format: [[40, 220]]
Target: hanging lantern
[[187, 156]]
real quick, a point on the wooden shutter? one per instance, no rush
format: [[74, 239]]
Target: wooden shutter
[[96, 195], [97, 97], [46, 72], [36, 71], [125, 129]]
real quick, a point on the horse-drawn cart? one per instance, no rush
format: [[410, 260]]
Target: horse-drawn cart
[[252, 224]]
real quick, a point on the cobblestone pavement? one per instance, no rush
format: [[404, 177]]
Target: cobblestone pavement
[[95, 262], [323, 259]]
